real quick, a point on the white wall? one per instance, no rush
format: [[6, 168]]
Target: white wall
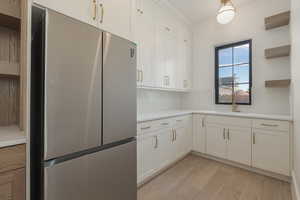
[[295, 62], [154, 101], [248, 24]]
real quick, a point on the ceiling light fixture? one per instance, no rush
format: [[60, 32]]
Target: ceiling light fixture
[[226, 13]]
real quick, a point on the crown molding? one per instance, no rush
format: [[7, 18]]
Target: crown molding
[[175, 11]]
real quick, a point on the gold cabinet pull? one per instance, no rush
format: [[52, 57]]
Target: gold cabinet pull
[[156, 142], [224, 137], [138, 76], [269, 125], [95, 10], [228, 134], [145, 128], [142, 76], [254, 139], [102, 13], [173, 135]]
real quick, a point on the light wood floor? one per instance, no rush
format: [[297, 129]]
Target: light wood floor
[[196, 178]]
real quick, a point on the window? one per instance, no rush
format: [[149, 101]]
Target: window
[[233, 73]]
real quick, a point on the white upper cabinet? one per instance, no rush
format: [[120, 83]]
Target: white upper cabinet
[[163, 51], [85, 11], [184, 59], [167, 55], [115, 17], [145, 39], [109, 15]]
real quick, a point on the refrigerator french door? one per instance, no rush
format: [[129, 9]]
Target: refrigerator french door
[[83, 111]]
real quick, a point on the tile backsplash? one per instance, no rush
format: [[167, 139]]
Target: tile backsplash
[[155, 101]]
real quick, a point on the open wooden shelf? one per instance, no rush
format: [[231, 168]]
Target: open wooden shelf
[[9, 69], [278, 83], [277, 52], [10, 22], [275, 21]]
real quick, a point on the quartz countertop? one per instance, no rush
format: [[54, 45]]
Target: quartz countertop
[[175, 113], [10, 136]]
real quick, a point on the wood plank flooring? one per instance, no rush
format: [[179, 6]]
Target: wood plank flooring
[[196, 178]]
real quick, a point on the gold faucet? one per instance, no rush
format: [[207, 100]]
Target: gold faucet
[[234, 105]]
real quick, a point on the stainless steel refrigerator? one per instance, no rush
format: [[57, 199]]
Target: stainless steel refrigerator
[[83, 111]]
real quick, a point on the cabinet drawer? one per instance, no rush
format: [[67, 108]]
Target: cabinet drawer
[[12, 158], [166, 123], [147, 127], [229, 121], [12, 185], [182, 121], [271, 125]]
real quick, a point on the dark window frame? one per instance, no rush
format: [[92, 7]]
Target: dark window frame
[[217, 49]]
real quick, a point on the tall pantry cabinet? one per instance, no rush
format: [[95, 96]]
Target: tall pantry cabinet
[[13, 62]]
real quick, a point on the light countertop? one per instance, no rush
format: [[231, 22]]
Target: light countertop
[[174, 113], [10, 136]]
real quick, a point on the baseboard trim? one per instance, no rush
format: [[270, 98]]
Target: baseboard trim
[[294, 187], [148, 179], [255, 170]]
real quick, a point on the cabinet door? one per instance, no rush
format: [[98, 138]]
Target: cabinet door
[[171, 58], [145, 37], [180, 141], [150, 153], [160, 74], [165, 148], [86, 11], [184, 59], [239, 145], [187, 81], [216, 143], [12, 185], [115, 17], [199, 133], [271, 151], [166, 56], [188, 134]]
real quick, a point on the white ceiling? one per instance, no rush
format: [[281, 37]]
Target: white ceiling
[[197, 10]]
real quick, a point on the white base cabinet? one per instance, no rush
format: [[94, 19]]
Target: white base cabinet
[[199, 133], [271, 151], [239, 145], [161, 143], [150, 154], [262, 144], [216, 141], [258, 144], [165, 148]]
